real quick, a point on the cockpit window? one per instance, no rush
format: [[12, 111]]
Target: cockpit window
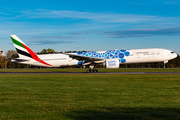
[[172, 52]]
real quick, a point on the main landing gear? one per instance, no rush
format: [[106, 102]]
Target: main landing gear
[[92, 70]]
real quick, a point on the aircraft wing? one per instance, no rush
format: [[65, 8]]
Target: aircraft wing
[[86, 58]]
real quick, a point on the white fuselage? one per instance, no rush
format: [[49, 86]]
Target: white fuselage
[[135, 56], [56, 60], [149, 55]]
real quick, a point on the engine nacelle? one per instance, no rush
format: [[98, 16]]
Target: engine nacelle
[[112, 63]]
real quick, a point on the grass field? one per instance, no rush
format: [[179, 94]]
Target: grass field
[[102, 97], [100, 70]]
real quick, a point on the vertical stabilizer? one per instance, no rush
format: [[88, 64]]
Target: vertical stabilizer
[[24, 51], [20, 47]]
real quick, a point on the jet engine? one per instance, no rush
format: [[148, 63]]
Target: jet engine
[[111, 63]]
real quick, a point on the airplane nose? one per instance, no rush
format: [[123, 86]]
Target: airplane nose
[[175, 55]]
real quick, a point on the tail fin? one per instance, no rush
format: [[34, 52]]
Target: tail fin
[[21, 47], [24, 51]]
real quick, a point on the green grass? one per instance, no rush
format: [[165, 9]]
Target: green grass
[[100, 70], [103, 97]]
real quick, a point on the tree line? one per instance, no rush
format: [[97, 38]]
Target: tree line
[[5, 62]]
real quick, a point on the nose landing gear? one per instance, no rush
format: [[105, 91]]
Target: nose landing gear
[[165, 62]]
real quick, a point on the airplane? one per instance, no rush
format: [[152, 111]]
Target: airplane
[[109, 59]]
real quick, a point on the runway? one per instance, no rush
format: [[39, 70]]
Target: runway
[[84, 73]]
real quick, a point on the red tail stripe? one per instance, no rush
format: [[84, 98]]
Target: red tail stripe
[[34, 56]]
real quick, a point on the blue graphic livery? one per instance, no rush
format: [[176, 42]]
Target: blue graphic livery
[[110, 54]]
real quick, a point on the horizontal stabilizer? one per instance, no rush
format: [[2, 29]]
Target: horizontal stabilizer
[[19, 60]]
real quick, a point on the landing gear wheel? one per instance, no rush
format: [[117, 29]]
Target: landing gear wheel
[[88, 71], [92, 70]]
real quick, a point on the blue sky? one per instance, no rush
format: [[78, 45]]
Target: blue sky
[[91, 25]]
